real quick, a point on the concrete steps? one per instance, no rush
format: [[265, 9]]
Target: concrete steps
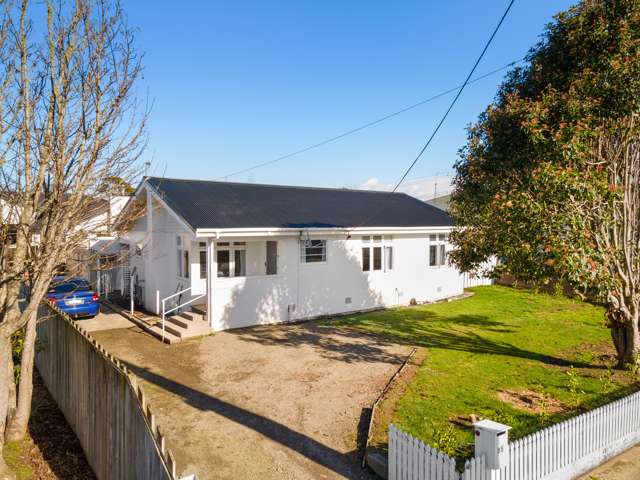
[[186, 325], [177, 327]]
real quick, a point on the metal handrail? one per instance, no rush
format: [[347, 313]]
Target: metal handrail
[[177, 293], [165, 312], [131, 287]]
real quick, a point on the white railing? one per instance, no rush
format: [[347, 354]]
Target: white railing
[[176, 307], [132, 292], [561, 452]]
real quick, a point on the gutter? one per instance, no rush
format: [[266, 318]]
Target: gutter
[[295, 231]]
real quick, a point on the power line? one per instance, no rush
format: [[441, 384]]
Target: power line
[[446, 113], [466, 82], [369, 124]]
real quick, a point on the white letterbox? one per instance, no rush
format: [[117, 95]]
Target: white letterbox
[[492, 441]]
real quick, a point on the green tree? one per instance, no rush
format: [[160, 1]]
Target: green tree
[[549, 180]]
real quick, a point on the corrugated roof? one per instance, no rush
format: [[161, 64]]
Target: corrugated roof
[[208, 204]]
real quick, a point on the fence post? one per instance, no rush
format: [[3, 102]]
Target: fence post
[[492, 443]]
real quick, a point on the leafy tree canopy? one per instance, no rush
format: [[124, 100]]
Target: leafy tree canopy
[[548, 180]]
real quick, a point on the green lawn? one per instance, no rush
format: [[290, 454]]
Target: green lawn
[[500, 339]]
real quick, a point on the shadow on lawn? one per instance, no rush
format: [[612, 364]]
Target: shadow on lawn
[[414, 327], [344, 464]]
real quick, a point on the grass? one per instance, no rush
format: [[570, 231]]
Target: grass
[[500, 339]]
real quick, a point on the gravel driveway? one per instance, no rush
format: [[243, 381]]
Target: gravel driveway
[[273, 402]]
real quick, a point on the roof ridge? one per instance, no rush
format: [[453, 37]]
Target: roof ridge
[[273, 185]]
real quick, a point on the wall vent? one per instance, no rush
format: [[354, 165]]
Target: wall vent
[[439, 289], [347, 300], [291, 308]]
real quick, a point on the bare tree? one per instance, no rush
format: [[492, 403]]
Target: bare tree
[[70, 123]]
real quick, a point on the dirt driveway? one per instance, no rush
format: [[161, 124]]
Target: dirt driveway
[[270, 402]]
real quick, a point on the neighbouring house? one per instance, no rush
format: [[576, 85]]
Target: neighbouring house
[[441, 202], [248, 254], [96, 225]]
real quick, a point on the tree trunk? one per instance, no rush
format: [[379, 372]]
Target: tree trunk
[[5, 380], [19, 421], [626, 338], [11, 395]]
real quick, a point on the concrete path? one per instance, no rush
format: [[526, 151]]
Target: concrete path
[[276, 402], [107, 319], [625, 466]]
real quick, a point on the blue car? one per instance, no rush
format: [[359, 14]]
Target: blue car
[[74, 296]]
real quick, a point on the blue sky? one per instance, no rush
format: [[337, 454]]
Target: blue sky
[[237, 83]]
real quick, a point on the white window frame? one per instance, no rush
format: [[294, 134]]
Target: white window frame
[[183, 263], [441, 242], [304, 256], [385, 243], [232, 247], [202, 248]]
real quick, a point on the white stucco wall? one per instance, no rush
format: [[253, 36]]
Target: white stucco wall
[[322, 288]]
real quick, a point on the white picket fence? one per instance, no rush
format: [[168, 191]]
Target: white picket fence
[[472, 280], [410, 459], [561, 452]]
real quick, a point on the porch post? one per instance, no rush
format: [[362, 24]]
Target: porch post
[[212, 273]]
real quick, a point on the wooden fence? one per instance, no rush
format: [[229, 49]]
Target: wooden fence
[[101, 401], [561, 452]]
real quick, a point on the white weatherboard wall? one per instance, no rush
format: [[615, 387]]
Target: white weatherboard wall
[[336, 286], [561, 452]]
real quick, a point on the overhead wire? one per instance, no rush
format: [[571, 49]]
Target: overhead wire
[[368, 124]]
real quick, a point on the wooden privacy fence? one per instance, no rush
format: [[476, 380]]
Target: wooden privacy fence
[[561, 452], [101, 401]]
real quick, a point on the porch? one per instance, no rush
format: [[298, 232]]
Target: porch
[[173, 298]]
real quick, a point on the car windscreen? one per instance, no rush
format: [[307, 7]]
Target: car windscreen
[[69, 287]]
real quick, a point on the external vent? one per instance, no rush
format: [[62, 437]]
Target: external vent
[[291, 308], [347, 300], [439, 289]]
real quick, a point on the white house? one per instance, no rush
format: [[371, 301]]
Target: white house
[[248, 254]]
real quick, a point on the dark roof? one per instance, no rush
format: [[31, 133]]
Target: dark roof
[[206, 204]]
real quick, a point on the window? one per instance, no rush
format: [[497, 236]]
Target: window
[[373, 249], [377, 258], [313, 251], [271, 265], [438, 250], [185, 266], [202, 258], [224, 263], [11, 235], [231, 259], [182, 255], [179, 255], [366, 259], [240, 260], [388, 258]]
